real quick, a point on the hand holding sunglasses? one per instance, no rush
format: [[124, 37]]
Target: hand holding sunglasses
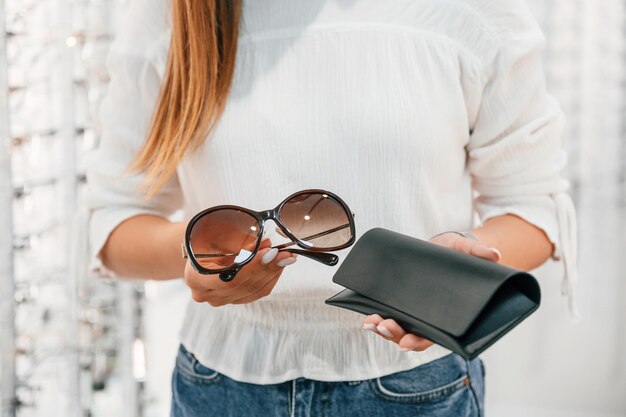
[[222, 239]]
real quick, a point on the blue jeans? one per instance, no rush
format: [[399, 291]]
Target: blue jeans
[[449, 386]]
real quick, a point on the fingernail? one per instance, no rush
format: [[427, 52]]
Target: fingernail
[[369, 326], [286, 261], [403, 349], [384, 331], [496, 251], [269, 256], [295, 255]]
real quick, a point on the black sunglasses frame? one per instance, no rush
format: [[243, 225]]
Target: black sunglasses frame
[[319, 254]]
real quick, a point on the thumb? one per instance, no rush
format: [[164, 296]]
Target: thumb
[[466, 245], [479, 249], [265, 243]]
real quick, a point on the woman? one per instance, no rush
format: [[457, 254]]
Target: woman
[[402, 109]]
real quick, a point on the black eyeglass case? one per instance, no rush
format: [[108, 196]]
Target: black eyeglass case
[[459, 301]]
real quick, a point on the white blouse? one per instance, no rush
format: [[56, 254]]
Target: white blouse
[[423, 116]]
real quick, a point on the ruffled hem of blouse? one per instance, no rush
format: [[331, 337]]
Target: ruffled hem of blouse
[[249, 349]]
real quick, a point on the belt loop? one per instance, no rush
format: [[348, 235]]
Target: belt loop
[[292, 403]]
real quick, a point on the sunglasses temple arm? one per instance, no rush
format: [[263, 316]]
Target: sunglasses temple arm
[[324, 233], [325, 258]]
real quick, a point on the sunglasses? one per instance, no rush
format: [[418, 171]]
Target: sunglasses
[[222, 239]]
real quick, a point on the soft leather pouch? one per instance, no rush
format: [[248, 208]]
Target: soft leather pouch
[[459, 301]]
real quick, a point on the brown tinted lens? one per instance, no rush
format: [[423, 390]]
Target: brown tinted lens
[[224, 238], [317, 219]]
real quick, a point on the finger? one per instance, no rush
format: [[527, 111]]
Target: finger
[[263, 291], [390, 330], [472, 247], [257, 269], [200, 296], [253, 287], [226, 290], [250, 291], [483, 251], [254, 276], [200, 282], [267, 255], [287, 260], [412, 341], [270, 257], [249, 272], [370, 322], [265, 243]]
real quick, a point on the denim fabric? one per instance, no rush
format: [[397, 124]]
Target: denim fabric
[[449, 386]]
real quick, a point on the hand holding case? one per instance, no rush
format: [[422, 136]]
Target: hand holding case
[[459, 301]]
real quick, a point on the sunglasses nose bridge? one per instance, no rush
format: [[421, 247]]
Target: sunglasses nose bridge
[[271, 215], [268, 214]]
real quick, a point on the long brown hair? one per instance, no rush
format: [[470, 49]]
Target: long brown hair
[[198, 76]]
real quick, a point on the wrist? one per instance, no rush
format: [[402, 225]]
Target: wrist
[[176, 236], [465, 234]]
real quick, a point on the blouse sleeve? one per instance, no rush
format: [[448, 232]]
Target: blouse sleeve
[[515, 153], [125, 115]]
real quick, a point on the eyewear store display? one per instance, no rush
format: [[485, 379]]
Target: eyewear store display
[[62, 349]]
